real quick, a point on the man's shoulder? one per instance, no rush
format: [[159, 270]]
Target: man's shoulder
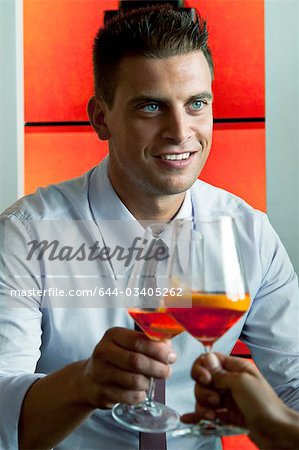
[[213, 199], [60, 200]]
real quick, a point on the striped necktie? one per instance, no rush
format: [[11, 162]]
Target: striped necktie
[[154, 441]]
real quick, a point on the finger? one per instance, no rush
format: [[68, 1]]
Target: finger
[[199, 414], [215, 361], [225, 380], [191, 418], [212, 362], [235, 364], [111, 394], [208, 398], [139, 343], [129, 380], [205, 366], [230, 416], [137, 363], [200, 374]]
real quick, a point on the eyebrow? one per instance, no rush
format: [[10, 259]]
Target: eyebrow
[[205, 95]]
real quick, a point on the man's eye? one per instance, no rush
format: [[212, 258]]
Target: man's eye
[[198, 104], [152, 107]]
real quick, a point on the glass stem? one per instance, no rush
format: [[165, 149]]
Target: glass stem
[[149, 401], [207, 348]]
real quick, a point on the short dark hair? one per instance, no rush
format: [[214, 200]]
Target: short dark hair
[[153, 32]]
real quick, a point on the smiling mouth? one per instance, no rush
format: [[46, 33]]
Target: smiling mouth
[[176, 157]]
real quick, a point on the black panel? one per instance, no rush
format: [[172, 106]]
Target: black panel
[[130, 4], [126, 5]]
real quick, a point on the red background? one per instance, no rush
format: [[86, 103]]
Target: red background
[[58, 46], [54, 153]]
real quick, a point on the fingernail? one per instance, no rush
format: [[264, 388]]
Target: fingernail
[[171, 358], [212, 362]]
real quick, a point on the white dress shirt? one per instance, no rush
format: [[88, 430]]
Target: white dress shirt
[[42, 330]]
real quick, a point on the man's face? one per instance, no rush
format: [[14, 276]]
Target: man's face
[[160, 125]]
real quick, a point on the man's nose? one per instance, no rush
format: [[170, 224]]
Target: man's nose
[[177, 127]]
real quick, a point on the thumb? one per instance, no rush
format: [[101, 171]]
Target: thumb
[[222, 378], [212, 363]]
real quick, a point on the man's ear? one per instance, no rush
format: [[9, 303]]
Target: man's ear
[[96, 114]]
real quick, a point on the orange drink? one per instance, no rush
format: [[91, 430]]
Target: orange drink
[[156, 324], [211, 315]]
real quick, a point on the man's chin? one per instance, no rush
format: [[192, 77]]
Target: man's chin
[[177, 188]]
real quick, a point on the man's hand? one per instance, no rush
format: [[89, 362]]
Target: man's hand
[[118, 371], [121, 366]]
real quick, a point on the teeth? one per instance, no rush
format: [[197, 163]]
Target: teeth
[[176, 157]]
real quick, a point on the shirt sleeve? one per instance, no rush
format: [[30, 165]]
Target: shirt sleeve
[[20, 327], [271, 330], [12, 393]]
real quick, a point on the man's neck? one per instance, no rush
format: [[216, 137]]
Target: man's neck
[[149, 208], [162, 210]]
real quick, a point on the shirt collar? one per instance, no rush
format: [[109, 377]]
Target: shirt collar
[[118, 227]]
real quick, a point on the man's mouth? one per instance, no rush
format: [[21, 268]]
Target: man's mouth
[[177, 157]]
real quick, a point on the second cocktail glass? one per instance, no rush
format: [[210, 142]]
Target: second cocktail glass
[[205, 263]]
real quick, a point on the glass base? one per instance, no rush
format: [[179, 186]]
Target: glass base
[[210, 428], [148, 419]]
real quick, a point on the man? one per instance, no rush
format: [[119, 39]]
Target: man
[[67, 361]]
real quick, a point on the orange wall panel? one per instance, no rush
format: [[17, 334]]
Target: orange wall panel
[[54, 154], [236, 37], [237, 161], [58, 37]]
